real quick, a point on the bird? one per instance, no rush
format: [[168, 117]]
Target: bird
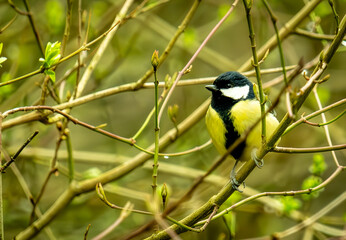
[[234, 108]]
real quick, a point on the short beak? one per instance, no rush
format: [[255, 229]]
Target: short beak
[[211, 88]]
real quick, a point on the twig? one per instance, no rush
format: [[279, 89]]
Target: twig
[[255, 62], [308, 150], [155, 63], [125, 212], [10, 2], [72, 119], [313, 35], [77, 188], [8, 24], [101, 194], [307, 222], [324, 123], [283, 193], [181, 72], [41, 70], [70, 155], [96, 58], [67, 27], [34, 28], [14, 157], [302, 119], [284, 32], [27, 192], [336, 16], [282, 58], [326, 128], [86, 232]]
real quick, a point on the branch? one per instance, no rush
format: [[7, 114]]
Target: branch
[[284, 32], [256, 64], [308, 150], [314, 114], [14, 157], [77, 188], [313, 35], [212, 32], [307, 222]]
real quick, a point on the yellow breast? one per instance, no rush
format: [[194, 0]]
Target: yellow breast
[[216, 129], [244, 114]]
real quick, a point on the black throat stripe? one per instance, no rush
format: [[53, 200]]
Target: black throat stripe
[[231, 134]]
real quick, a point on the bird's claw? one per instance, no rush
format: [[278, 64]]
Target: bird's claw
[[259, 162], [235, 183]]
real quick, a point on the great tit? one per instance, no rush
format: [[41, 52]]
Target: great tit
[[233, 110]]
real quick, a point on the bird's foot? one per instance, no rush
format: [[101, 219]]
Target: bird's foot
[[235, 183], [259, 162]]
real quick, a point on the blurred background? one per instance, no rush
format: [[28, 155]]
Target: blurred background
[[126, 60]]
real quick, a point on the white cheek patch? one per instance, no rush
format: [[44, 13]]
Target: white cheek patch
[[236, 93]]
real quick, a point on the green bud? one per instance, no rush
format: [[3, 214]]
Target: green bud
[[164, 195], [155, 60], [173, 112]]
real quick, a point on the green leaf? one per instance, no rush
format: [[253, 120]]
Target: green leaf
[[311, 182], [51, 74], [2, 59], [52, 55], [290, 204], [318, 166]]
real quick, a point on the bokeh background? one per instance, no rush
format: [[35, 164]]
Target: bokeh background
[[126, 59]]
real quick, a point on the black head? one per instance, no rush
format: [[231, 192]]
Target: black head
[[231, 87]]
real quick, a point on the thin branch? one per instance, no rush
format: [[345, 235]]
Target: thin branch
[[326, 128], [34, 28], [72, 119], [308, 150], [8, 24], [312, 219], [283, 193], [181, 72], [10, 2], [125, 212], [22, 182], [324, 123], [313, 35], [155, 63], [77, 188], [284, 32], [314, 114], [14, 157], [96, 58], [67, 26], [41, 70], [255, 62]]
